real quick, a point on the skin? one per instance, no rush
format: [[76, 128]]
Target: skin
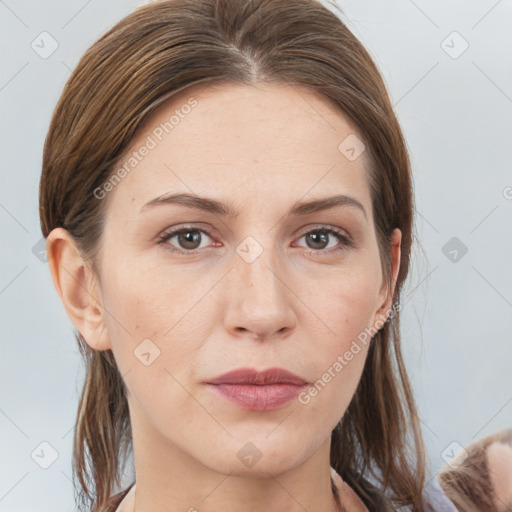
[[499, 460], [261, 149]]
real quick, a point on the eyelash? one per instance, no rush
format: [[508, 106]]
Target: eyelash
[[346, 242]]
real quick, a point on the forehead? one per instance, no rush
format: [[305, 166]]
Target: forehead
[[242, 140]]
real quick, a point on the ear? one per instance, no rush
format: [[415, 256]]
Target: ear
[[75, 283], [386, 293]]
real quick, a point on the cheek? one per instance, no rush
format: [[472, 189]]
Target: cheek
[[147, 296], [346, 308], [346, 305], [153, 339], [146, 309], [325, 401]]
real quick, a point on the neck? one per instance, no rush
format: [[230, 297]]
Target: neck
[[167, 478]]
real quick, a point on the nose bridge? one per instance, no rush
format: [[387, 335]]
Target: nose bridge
[[259, 300], [257, 265]]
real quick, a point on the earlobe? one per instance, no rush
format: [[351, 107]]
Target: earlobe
[[75, 284]]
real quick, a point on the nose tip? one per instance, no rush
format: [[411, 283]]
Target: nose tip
[[267, 336]]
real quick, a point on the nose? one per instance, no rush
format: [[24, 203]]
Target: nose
[[260, 302]]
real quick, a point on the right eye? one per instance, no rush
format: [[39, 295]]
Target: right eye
[[188, 238]]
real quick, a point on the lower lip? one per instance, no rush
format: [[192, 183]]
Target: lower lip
[[257, 398]]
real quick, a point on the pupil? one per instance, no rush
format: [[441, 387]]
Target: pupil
[[322, 236], [188, 238]]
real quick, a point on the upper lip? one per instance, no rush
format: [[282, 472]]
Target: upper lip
[[251, 376]]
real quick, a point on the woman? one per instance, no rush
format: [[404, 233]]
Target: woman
[[227, 200]]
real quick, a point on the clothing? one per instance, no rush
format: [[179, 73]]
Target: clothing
[[434, 498]]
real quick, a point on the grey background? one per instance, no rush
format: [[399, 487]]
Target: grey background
[[455, 109]]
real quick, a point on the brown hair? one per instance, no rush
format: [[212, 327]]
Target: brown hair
[[145, 59], [467, 480]]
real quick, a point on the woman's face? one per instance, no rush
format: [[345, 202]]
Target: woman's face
[[260, 288]]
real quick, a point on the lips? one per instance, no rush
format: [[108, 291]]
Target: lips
[[258, 391], [250, 376]]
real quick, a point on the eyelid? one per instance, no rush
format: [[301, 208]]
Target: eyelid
[[323, 227]]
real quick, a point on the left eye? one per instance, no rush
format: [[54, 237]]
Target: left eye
[[321, 237]]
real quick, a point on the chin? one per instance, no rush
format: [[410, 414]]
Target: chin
[[256, 456]]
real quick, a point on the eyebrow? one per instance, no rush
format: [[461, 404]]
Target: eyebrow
[[228, 210]]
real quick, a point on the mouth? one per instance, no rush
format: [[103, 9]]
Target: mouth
[[259, 391]]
